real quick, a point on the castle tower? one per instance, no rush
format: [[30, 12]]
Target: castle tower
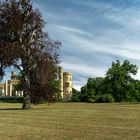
[[13, 75], [12, 83], [67, 85], [60, 69]]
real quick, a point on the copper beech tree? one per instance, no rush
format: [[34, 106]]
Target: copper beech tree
[[25, 46]]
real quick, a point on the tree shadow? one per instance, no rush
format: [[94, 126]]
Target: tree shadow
[[11, 109]]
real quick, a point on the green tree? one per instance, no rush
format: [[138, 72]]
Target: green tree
[[118, 80], [75, 95], [95, 84], [84, 94], [24, 45], [137, 90], [118, 85], [93, 88]]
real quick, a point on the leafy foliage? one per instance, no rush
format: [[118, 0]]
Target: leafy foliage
[[119, 80], [105, 98], [75, 95], [117, 85], [24, 45]]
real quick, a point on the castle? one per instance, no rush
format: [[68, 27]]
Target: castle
[[65, 84], [8, 88], [65, 78]]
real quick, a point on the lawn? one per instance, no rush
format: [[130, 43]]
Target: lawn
[[70, 121]]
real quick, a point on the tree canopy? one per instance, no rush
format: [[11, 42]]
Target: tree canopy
[[24, 45], [119, 79], [117, 85]]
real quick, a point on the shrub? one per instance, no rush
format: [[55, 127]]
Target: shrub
[[90, 100], [106, 98], [11, 99]]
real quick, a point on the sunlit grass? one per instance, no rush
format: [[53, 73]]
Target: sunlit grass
[[70, 121]]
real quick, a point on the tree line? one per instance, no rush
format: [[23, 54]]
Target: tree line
[[118, 85]]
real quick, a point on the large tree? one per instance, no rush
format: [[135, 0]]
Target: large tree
[[93, 88], [117, 85], [119, 81], [24, 45]]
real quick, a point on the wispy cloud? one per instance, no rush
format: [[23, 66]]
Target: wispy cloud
[[84, 69], [79, 41], [93, 34]]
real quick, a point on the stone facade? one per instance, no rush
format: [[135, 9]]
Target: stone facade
[[8, 88], [65, 78], [65, 84]]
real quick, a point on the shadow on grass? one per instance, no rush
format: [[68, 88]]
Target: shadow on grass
[[11, 109]]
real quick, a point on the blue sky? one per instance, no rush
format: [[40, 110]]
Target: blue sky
[[93, 34]]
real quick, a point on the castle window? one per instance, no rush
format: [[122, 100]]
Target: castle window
[[67, 84]]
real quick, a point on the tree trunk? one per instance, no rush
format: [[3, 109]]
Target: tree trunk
[[26, 95], [26, 101]]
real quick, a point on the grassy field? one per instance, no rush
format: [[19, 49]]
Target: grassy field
[[70, 121]]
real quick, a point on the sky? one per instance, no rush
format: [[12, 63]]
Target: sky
[[93, 34]]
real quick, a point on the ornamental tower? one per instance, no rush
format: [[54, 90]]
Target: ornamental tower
[[65, 79], [67, 85]]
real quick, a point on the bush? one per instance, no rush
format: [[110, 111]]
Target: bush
[[11, 99], [106, 98], [75, 97], [90, 100]]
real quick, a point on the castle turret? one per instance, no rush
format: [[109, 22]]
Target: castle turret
[[67, 85], [13, 75]]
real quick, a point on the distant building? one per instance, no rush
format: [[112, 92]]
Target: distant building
[[65, 78], [8, 88], [65, 84]]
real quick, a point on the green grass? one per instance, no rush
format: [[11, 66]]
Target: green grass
[[70, 121]]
